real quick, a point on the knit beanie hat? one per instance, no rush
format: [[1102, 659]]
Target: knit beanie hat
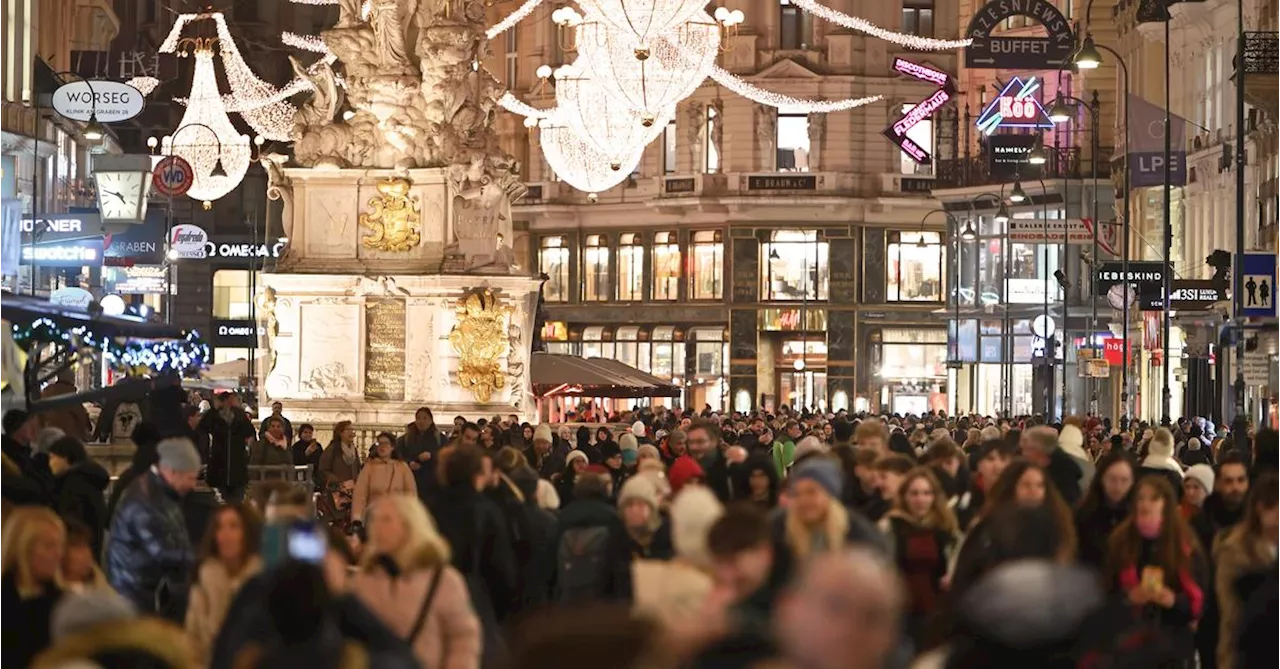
[[79, 612], [648, 451], [609, 449], [629, 456], [627, 442], [637, 429], [642, 488], [821, 471], [809, 446], [574, 455], [547, 496], [1202, 473], [684, 470], [693, 512], [542, 433]]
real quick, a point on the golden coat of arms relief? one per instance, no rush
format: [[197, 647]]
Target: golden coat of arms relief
[[480, 339], [393, 217]]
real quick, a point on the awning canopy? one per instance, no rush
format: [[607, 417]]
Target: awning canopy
[[556, 375]]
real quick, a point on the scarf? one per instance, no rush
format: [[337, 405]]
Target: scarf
[[348, 453]]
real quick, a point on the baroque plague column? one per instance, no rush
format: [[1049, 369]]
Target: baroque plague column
[[396, 288]]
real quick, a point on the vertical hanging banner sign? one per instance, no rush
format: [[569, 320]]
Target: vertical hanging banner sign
[[1259, 285], [897, 132]]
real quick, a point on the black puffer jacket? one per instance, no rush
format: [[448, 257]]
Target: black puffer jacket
[[149, 558], [228, 448], [78, 493]]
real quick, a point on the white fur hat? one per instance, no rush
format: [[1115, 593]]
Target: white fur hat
[[694, 510]]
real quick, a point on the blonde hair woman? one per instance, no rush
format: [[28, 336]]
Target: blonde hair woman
[[406, 579], [34, 539]]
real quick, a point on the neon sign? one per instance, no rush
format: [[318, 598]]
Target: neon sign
[[1015, 107], [897, 133]]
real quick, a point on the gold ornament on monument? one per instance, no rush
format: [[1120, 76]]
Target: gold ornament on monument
[[480, 338], [392, 217]]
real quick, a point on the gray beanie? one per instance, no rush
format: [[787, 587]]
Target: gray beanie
[[178, 454], [821, 471], [79, 612]]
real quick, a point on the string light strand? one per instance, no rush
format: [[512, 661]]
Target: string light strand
[[512, 19]]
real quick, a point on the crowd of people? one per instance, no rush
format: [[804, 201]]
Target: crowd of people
[[667, 539]]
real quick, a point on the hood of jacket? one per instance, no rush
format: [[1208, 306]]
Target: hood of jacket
[[89, 472], [588, 512], [1164, 462], [152, 638]]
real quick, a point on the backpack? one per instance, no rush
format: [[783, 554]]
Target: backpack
[[581, 569]]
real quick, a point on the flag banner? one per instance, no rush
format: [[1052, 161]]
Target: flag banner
[[1146, 145]]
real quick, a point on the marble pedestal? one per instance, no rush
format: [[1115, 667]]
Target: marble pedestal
[[372, 349]]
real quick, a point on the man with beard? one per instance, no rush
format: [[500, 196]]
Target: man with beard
[[229, 433], [1222, 510], [704, 446]]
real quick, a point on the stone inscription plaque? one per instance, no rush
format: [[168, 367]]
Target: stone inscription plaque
[[384, 349]]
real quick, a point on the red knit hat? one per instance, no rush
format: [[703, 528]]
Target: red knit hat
[[684, 470]]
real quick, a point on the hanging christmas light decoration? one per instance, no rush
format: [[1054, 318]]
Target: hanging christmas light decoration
[[219, 161], [652, 78], [612, 129], [644, 21], [580, 165]]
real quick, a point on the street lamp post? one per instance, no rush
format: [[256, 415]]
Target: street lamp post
[[170, 256], [1088, 58], [953, 232]]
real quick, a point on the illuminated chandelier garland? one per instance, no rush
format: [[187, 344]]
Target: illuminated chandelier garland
[[191, 141], [579, 164], [645, 21], [611, 129]]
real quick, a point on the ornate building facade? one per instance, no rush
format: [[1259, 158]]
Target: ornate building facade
[[757, 255]]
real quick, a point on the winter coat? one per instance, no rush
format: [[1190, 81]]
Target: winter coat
[[301, 457], [1188, 594], [592, 512], [211, 597], [922, 554], [1195, 453], [25, 629], [349, 624], [545, 465], [450, 635], [73, 420], [121, 644], [858, 531], [378, 478], [413, 443], [1065, 473], [78, 493], [149, 557], [1093, 529], [333, 469], [37, 487], [482, 552], [228, 448], [288, 427], [1236, 555], [263, 452], [719, 478]]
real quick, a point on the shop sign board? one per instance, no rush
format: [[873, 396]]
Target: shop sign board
[[1020, 52], [1017, 106], [100, 99], [897, 131], [236, 333], [1259, 282]]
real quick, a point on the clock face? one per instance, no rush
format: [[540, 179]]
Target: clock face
[[119, 194]]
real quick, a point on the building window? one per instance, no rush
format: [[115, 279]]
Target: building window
[[917, 17], [595, 269], [792, 141], [666, 266], [232, 296], [707, 266], [794, 27], [553, 260], [915, 267], [669, 149], [668, 354], [712, 158], [513, 56], [630, 268], [797, 266], [922, 134]]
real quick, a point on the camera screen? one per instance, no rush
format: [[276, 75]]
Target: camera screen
[[307, 544]]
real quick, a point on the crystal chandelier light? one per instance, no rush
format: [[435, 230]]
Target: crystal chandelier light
[[651, 78], [644, 20], [191, 141], [610, 128], [580, 165]]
